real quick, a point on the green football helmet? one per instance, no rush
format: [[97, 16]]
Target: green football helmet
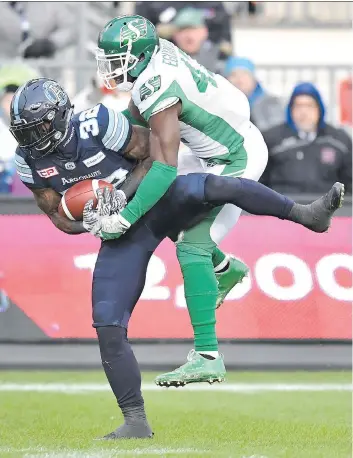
[[125, 47]]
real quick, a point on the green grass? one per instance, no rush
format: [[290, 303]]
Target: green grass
[[186, 424]]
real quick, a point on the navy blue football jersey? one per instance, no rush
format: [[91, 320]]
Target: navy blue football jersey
[[93, 148]]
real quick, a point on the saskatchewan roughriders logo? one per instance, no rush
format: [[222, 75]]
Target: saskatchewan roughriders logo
[[133, 30], [150, 87]]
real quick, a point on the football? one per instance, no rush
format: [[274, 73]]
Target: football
[[73, 201]]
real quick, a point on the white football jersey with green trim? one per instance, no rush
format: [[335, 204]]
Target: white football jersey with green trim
[[214, 114]]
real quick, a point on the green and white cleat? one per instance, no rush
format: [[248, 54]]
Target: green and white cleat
[[197, 369], [235, 274]]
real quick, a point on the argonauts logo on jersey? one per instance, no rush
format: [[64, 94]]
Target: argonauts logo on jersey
[[132, 31]]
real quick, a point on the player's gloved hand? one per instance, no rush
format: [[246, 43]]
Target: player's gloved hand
[[99, 222], [92, 217], [118, 200], [91, 220], [112, 226], [104, 202]]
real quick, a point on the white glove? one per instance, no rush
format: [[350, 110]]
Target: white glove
[[91, 220], [113, 226], [100, 222], [118, 200]]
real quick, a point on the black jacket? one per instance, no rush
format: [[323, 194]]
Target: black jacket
[[298, 164], [302, 166]]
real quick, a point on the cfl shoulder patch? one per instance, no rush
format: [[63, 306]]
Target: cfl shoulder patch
[[150, 87]]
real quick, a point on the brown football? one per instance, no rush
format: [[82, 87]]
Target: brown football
[[75, 198]]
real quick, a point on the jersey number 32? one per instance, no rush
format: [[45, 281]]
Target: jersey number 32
[[89, 123]]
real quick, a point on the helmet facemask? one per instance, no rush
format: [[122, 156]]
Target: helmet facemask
[[115, 67], [41, 136]]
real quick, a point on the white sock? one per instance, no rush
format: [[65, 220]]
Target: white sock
[[222, 265], [214, 354]]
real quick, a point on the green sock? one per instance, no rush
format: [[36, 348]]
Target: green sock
[[201, 292], [217, 257]]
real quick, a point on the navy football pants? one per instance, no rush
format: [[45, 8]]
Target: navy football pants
[[120, 272]]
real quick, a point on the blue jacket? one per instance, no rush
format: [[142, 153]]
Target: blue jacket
[[306, 89]]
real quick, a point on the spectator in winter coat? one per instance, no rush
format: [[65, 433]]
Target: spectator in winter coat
[[307, 155], [266, 110]]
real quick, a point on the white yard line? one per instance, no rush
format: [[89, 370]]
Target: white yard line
[[74, 388], [42, 452]]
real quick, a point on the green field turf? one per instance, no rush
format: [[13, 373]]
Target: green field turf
[[210, 423]]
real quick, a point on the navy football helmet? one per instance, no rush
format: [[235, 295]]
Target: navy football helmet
[[40, 115]]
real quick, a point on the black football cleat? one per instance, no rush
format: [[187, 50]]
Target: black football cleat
[[137, 430], [322, 210]]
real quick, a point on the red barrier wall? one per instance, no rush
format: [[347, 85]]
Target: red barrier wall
[[300, 284]]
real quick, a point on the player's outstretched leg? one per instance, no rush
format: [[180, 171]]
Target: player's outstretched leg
[[257, 199]]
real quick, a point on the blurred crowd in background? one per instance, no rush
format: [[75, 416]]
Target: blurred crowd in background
[[306, 153]]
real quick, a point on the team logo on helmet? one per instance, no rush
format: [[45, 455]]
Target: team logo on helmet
[[55, 93], [132, 31]]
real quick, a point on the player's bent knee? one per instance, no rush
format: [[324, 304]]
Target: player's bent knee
[[109, 313], [189, 254], [190, 188], [220, 189]]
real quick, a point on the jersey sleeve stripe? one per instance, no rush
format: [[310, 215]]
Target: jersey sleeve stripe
[[124, 132], [25, 177], [24, 170], [116, 132], [29, 175], [111, 127], [20, 160], [23, 166]]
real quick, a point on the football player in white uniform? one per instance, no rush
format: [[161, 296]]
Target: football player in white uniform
[[182, 101]]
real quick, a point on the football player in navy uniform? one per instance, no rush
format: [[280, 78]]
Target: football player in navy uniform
[[58, 149]]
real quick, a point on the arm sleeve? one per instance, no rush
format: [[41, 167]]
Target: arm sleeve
[[115, 129], [134, 121], [28, 176], [151, 190]]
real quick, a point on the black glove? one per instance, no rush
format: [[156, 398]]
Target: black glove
[[42, 47]]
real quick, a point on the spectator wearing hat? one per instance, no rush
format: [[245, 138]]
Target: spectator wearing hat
[[306, 154], [266, 110], [191, 36], [216, 15]]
